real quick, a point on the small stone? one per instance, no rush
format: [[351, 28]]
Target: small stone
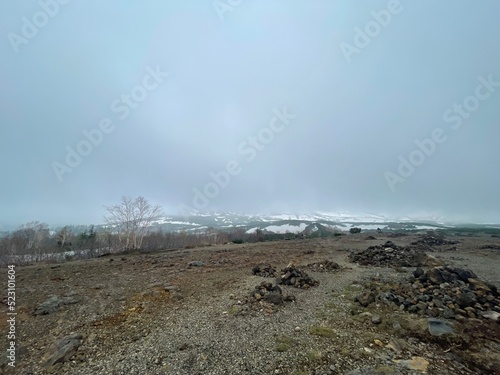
[[376, 319], [274, 298], [378, 342], [492, 315], [471, 312], [416, 363], [466, 300], [413, 309], [365, 315], [422, 306], [419, 272], [439, 327], [196, 263], [448, 314], [395, 345], [177, 296], [366, 298], [480, 293], [396, 326], [413, 340], [155, 285], [478, 284]]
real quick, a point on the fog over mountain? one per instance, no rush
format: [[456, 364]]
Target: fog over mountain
[[258, 107]]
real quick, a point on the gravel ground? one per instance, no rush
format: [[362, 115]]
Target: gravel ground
[[201, 324]]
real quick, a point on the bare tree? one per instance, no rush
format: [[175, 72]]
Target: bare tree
[[64, 235], [33, 233], [7, 250], [132, 217], [105, 240]]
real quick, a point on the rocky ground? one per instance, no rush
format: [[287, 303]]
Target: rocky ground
[[353, 304]]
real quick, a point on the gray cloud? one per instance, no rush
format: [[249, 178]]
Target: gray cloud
[[353, 119]]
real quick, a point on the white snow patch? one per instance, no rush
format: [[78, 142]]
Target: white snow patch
[[425, 227], [286, 228], [182, 223]]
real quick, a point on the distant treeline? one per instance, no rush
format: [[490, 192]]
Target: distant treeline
[[34, 242]]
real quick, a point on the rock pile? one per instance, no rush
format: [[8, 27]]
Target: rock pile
[[431, 240], [264, 271], [324, 266], [390, 254], [451, 293], [296, 277], [269, 293], [490, 247]]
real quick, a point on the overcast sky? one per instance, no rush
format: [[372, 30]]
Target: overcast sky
[[337, 95]]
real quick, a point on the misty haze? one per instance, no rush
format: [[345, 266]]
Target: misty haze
[[161, 159]]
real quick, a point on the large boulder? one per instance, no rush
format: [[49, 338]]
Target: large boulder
[[53, 303], [439, 327], [63, 350]]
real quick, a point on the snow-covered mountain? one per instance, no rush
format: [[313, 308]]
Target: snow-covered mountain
[[293, 223], [306, 223]]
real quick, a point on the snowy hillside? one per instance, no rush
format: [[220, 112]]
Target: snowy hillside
[[293, 223]]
